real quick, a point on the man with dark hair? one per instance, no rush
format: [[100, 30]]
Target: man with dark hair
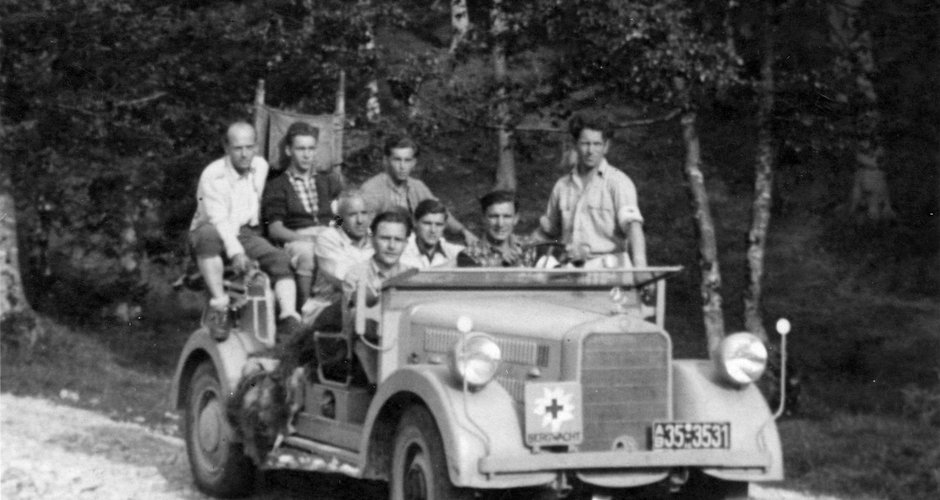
[[426, 246], [593, 209], [396, 189], [500, 247], [226, 223], [296, 206]]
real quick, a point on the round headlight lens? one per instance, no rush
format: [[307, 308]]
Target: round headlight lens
[[741, 358], [475, 359]]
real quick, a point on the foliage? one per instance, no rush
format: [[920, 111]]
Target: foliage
[[113, 107]]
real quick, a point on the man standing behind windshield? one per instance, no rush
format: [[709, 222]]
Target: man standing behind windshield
[[593, 209], [395, 189]]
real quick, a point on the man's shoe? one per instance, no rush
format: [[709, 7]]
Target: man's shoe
[[217, 321], [287, 328]]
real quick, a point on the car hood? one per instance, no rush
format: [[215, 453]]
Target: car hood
[[517, 316]]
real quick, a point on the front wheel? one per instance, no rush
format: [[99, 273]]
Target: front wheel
[[419, 466], [220, 467], [701, 486]]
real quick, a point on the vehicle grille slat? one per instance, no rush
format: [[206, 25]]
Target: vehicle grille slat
[[625, 387]]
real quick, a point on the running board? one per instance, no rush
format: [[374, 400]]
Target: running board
[[297, 453]]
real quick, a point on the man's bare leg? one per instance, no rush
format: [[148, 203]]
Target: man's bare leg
[[304, 283], [212, 269], [285, 291]]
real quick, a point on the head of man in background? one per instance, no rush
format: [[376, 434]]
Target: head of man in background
[[240, 146], [401, 156], [300, 147]]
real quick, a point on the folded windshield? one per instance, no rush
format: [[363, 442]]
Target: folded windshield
[[529, 278]]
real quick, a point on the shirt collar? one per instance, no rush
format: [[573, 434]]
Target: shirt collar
[[438, 248], [363, 243], [381, 273], [234, 173], [600, 171], [391, 182], [297, 176]]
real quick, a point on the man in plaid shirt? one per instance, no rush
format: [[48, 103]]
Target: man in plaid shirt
[[296, 206]]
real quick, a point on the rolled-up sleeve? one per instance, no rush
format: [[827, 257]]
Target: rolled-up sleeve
[[625, 201], [214, 195]]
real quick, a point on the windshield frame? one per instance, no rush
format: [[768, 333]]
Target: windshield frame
[[527, 278]]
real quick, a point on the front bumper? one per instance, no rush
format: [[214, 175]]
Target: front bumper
[[598, 461]]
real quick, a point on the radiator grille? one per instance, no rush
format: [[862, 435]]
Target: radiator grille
[[625, 384]]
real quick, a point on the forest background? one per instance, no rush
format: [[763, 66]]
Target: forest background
[[787, 153]]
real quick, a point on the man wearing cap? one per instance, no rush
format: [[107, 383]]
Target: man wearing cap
[[593, 209]]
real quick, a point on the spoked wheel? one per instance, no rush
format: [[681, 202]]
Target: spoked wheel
[[419, 467], [219, 466]]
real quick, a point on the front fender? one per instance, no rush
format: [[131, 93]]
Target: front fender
[[700, 395], [229, 358], [472, 424]]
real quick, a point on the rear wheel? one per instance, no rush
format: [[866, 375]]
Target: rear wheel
[[219, 466], [419, 466]]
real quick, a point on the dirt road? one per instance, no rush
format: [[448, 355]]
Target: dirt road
[[55, 451]]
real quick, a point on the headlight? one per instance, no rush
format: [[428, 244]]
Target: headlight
[[741, 358], [475, 359]]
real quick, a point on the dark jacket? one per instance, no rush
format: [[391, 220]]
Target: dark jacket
[[281, 203]]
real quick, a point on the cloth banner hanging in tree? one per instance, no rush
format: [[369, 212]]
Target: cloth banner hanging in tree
[[272, 125]]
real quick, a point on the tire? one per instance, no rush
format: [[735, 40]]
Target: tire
[[419, 466], [219, 466], [701, 486]]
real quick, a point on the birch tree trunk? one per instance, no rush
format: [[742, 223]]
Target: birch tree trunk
[[705, 227], [506, 167], [373, 106], [763, 180], [460, 20]]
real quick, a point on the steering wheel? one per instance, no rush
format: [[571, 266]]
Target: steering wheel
[[545, 252]]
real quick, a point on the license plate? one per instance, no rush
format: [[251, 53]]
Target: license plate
[[691, 435]]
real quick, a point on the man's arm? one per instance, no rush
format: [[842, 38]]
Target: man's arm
[[637, 242], [332, 261], [214, 195], [549, 228]]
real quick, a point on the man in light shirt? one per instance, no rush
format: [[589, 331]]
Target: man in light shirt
[[593, 209], [226, 225], [426, 246], [337, 250], [396, 189]]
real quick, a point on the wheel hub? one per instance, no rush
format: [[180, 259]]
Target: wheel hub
[[210, 422], [415, 484]]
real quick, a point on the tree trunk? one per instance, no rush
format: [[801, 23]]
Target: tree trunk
[[460, 20], [506, 167], [870, 200], [763, 180], [705, 227], [373, 107]]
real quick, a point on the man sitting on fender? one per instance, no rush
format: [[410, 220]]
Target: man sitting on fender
[[226, 223]]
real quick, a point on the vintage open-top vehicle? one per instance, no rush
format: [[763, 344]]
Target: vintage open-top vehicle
[[475, 380]]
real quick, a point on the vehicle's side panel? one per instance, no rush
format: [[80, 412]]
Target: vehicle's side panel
[[699, 395], [472, 424]]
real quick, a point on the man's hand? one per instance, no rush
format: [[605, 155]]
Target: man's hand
[[240, 262], [578, 253], [469, 237]]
